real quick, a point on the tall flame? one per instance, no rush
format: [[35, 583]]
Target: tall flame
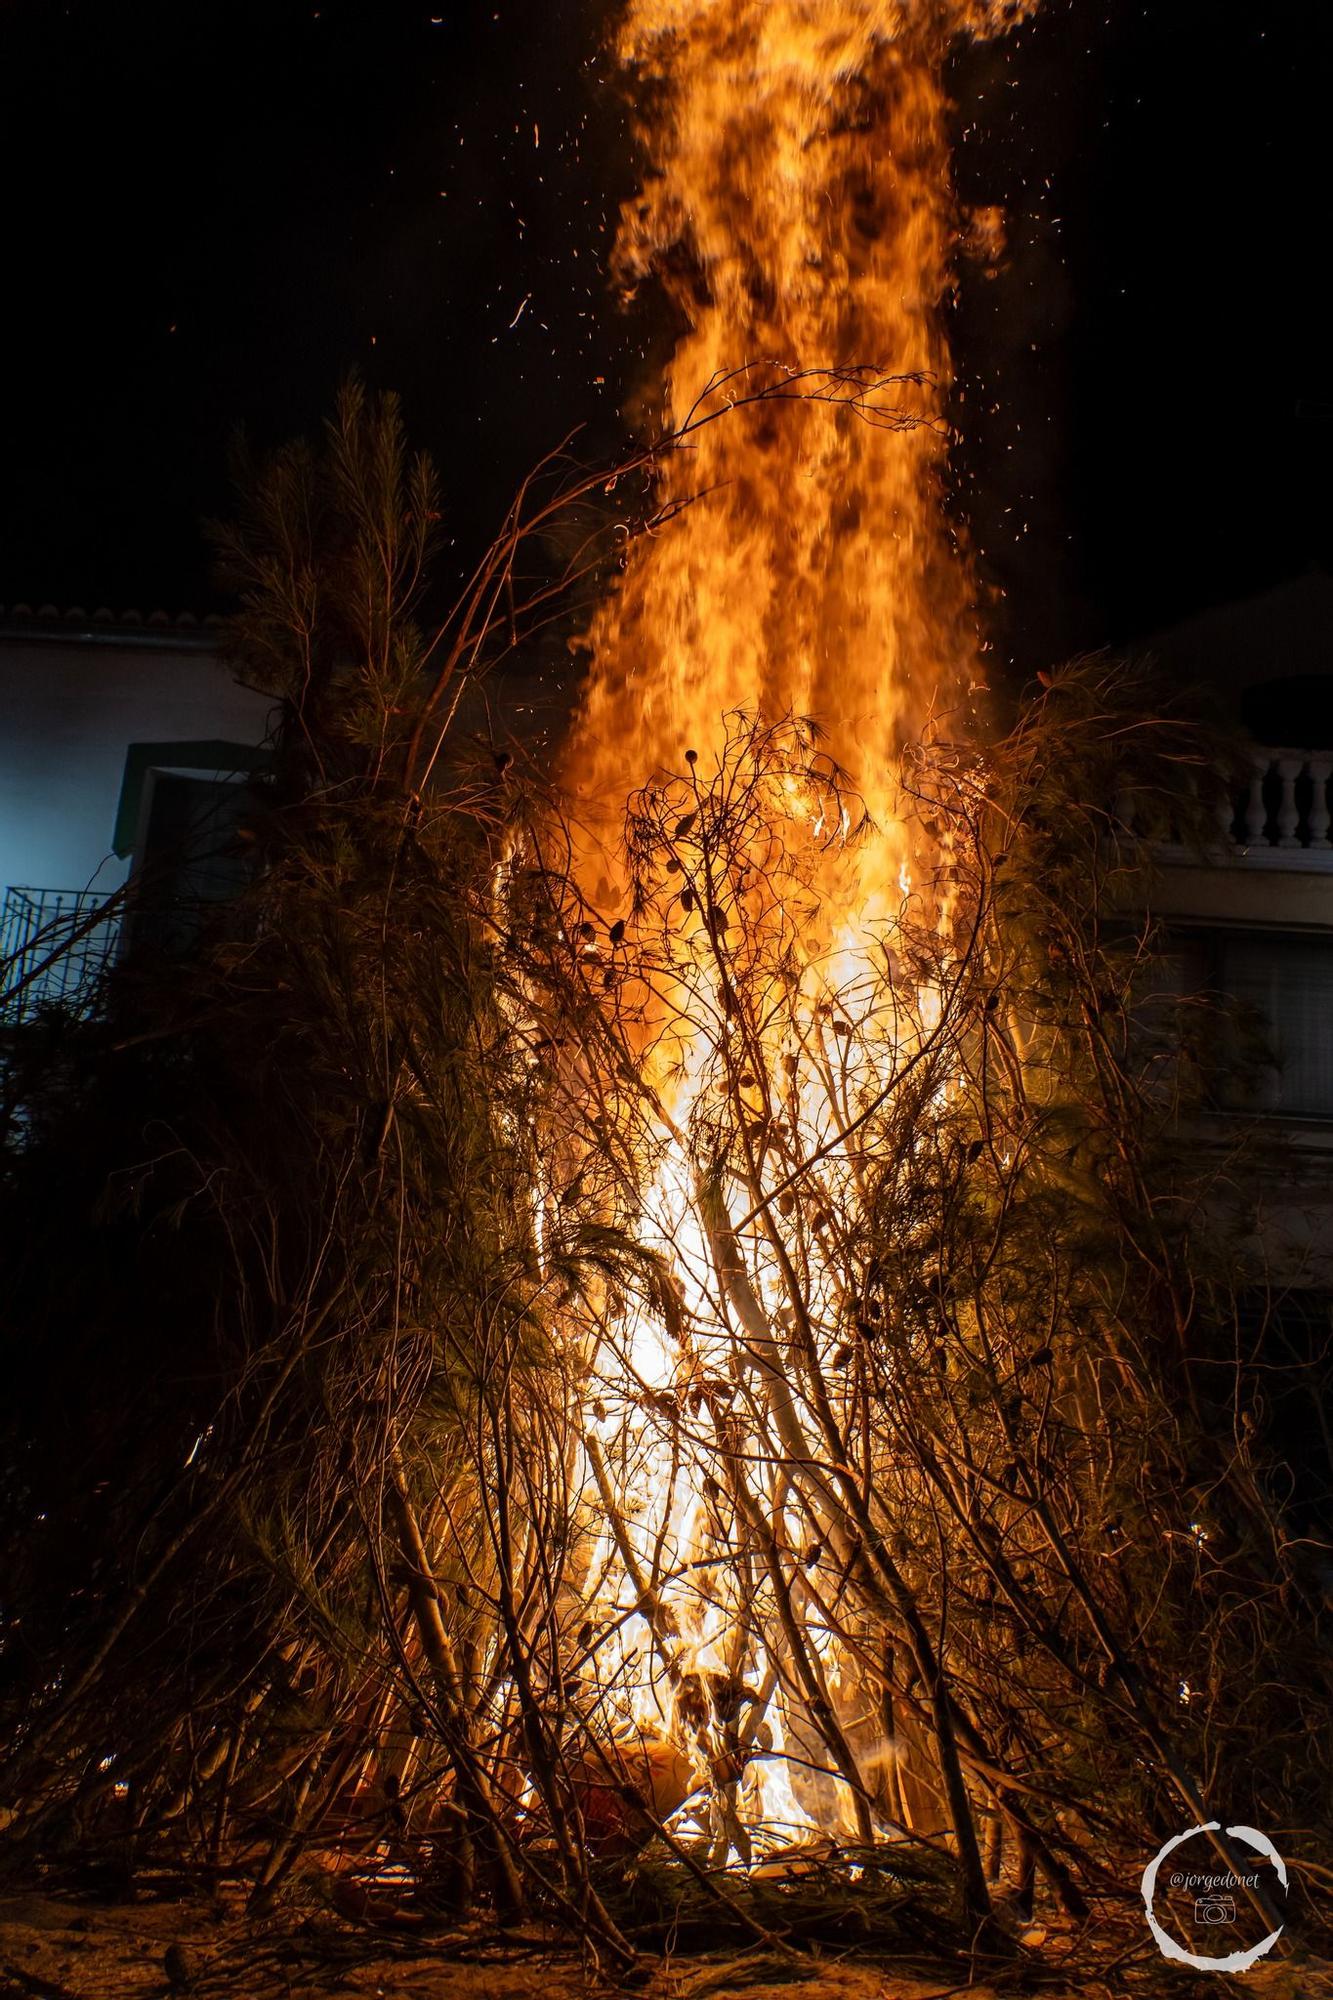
[[799, 213], [799, 217]]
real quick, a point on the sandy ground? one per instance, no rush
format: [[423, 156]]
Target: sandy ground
[[71, 1947]]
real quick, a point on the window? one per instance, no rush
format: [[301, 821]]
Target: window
[[187, 856], [1281, 984]]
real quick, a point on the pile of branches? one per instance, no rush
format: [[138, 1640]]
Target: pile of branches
[[325, 1249], [977, 1382]]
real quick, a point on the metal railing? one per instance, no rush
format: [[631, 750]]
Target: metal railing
[[54, 949]]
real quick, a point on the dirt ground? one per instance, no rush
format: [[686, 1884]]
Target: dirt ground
[[68, 1946]]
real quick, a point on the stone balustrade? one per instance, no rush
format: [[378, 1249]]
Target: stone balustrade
[[1279, 814], [1285, 803]]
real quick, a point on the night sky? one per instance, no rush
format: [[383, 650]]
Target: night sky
[[214, 208]]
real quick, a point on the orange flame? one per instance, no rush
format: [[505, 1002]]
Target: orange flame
[[801, 214], [800, 217]]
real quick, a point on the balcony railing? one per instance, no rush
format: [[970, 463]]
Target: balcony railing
[[1278, 816], [54, 948], [1285, 804]]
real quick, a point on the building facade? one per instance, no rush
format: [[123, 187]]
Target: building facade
[[125, 744]]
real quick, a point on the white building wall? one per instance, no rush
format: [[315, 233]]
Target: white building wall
[[70, 706]]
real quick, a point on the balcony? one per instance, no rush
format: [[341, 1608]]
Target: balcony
[[1282, 814], [1277, 816], [1269, 864], [55, 944]]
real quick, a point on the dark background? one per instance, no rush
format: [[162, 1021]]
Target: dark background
[[212, 208]]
